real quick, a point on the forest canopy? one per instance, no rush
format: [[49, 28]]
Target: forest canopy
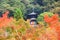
[[26, 6]]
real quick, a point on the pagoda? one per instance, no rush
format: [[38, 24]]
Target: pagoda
[[32, 18]]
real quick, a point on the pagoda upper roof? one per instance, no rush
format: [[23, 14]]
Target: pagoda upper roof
[[33, 13]]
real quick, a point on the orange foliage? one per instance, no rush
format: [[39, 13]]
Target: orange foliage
[[4, 21], [53, 23], [31, 33]]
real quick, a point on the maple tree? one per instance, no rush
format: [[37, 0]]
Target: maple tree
[[54, 23], [4, 21]]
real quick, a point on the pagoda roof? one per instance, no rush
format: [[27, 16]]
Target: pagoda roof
[[33, 19], [33, 13]]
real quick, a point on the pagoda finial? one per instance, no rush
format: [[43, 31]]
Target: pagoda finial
[[33, 9]]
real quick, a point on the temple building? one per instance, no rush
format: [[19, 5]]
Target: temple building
[[32, 19]]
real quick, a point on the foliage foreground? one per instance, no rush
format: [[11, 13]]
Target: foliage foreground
[[10, 29]]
